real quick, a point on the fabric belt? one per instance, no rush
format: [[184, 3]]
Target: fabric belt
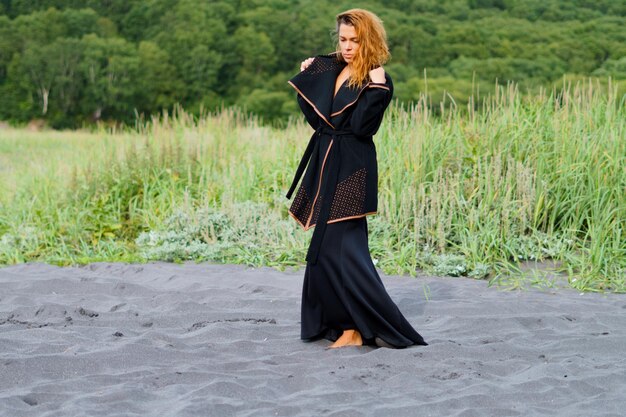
[[330, 182]]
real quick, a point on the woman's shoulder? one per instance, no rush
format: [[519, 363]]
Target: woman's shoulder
[[388, 82], [388, 79]]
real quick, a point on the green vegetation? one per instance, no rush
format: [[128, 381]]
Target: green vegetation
[[489, 157], [72, 63], [528, 177]]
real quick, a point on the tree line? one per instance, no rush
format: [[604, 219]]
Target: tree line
[[72, 62]]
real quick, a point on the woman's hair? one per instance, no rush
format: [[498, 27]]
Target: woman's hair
[[373, 50]]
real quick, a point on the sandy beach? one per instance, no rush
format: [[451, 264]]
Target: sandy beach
[[161, 339]]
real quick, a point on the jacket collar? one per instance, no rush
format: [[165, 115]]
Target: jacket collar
[[316, 84]]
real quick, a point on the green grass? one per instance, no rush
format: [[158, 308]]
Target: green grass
[[469, 192]]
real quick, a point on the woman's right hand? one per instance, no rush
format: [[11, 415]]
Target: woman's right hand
[[305, 63]]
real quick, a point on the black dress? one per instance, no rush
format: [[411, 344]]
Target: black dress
[[342, 289]]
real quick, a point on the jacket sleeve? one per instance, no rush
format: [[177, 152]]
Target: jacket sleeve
[[370, 108], [309, 113]]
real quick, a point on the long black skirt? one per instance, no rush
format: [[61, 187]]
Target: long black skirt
[[344, 291]]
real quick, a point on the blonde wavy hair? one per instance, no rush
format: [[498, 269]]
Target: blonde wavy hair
[[373, 50]]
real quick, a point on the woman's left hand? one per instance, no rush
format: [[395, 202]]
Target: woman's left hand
[[377, 75]]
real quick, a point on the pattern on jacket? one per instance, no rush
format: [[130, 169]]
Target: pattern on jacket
[[301, 206], [348, 201], [319, 66], [349, 197]]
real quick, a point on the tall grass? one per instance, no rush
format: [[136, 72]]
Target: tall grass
[[469, 192]]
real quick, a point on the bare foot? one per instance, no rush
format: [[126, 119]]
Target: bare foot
[[348, 338]]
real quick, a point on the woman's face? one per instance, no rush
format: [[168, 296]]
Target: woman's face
[[348, 42]]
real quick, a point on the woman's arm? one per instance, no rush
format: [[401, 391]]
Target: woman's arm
[[371, 105]]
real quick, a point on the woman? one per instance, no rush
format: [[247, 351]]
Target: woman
[[343, 96]]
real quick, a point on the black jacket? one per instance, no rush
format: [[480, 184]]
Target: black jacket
[[341, 179]]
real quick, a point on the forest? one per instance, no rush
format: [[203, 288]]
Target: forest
[[71, 63]]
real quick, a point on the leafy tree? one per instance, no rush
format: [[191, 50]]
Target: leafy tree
[[38, 73], [157, 89], [271, 105], [109, 68], [7, 46], [194, 37], [72, 61]]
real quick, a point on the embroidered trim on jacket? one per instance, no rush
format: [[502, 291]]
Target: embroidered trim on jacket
[[348, 202], [320, 182], [359, 95], [319, 113], [349, 198]]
